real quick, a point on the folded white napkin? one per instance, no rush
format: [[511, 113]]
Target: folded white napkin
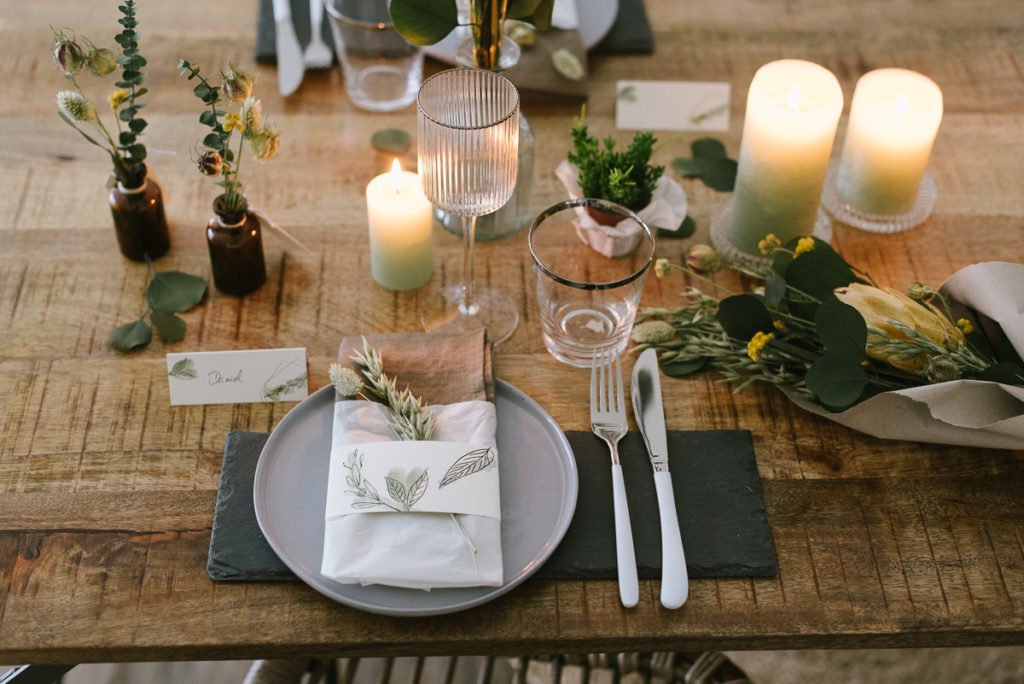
[[408, 549], [666, 211], [564, 15]]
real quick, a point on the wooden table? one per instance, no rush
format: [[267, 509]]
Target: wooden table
[[108, 492]]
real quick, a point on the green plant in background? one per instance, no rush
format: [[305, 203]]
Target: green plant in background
[[73, 53], [625, 177], [219, 159], [425, 22]]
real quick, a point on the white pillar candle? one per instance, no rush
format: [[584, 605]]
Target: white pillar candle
[[793, 109], [894, 117], [400, 218]]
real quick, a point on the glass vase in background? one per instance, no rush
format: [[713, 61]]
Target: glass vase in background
[[139, 220], [489, 48], [235, 240]]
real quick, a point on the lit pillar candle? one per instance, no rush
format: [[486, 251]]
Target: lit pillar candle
[[400, 218], [894, 117], [793, 109]]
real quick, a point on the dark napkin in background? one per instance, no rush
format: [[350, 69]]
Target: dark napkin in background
[[631, 32], [718, 499]]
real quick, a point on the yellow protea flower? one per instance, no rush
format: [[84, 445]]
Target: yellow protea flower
[[880, 307], [117, 98], [965, 326], [803, 245], [769, 244], [757, 344], [234, 122]]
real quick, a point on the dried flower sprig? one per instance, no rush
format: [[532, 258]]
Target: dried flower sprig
[[72, 53], [411, 421], [218, 159]]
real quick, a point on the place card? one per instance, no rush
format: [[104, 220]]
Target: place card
[[672, 105], [237, 377]]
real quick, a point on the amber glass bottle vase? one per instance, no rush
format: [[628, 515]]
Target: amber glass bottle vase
[[235, 239], [139, 220]]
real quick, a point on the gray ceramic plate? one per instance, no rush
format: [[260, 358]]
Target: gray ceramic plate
[[596, 19], [538, 497]]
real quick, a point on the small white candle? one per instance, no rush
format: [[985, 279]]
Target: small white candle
[[793, 109], [893, 121], [400, 218]]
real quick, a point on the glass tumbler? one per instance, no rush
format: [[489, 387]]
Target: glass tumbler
[[587, 301], [382, 71]]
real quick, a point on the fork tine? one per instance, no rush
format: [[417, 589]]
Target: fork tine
[[604, 385], [593, 383], [620, 397]]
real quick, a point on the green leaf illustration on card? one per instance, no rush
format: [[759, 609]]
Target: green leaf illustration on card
[[183, 369], [277, 392], [466, 465]]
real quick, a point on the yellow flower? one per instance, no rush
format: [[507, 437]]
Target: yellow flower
[[803, 245], [779, 326], [117, 98], [662, 267], [234, 122], [880, 307], [757, 344], [769, 244], [965, 326]]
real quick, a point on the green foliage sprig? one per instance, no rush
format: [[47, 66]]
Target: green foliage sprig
[[219, 159], [127, 153], [168, 294], [411, 421], [625, 177], [819, 327], [425, 22]]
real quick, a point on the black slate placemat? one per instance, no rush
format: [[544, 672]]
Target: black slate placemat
[[631, 32], [718, 500]]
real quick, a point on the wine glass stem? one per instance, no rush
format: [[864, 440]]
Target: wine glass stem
[[468, 306]]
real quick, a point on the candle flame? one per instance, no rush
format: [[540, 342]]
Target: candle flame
[[396, 175], [902, 104], [793, 102]]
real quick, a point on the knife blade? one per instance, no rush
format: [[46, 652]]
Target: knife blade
[[650, 416], [290, 68]]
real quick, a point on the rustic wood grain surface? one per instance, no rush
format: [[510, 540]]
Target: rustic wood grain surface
[[107, 493]]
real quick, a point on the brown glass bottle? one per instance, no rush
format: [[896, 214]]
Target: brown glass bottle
[[235, 240], [139, 219]]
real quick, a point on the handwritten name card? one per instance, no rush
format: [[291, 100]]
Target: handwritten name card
[[672, 105], [237, 377]]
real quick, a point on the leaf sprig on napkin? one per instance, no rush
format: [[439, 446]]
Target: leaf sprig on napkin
[[411, 421]]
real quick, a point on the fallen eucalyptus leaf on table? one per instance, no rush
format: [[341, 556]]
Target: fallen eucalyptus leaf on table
[[393, 140], [175, 291], [168, 293], [710, 164], [131, 336]]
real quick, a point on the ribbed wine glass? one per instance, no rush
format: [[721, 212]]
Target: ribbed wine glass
[[468, 131]]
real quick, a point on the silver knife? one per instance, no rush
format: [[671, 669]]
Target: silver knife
[[650, 416], [289, 53]]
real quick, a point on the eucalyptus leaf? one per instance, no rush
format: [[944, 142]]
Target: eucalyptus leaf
[[678, 369], [842, 330], [424, 22], [541, 17], [836, 384], [1005, 372], [518, 9], [175, 291], [131, 336], [685, 230], [718, 173], [567, 65], [818, 272], [708, 148], [393, 140], [169, 327], [743, 316]]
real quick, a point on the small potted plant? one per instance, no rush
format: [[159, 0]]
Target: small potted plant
[[596, 169], [234, 233], [136, 201]]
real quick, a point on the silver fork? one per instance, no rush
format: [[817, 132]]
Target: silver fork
[[317, 55], [608, 421]]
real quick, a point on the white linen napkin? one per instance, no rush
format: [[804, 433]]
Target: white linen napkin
[[409, 549]]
